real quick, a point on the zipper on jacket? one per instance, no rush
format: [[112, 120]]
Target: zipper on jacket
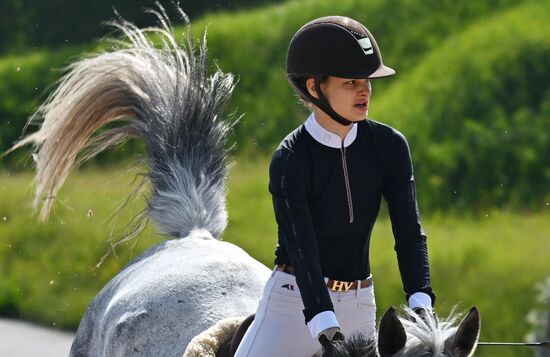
[[346, 179]]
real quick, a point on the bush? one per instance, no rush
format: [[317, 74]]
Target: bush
[[477, 114], [471, 92]]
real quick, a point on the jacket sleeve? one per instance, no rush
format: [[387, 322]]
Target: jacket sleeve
[[410, 240], [287, 184]]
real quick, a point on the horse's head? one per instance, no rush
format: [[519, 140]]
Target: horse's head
[[425, 335]]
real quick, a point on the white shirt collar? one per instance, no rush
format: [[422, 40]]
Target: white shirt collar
[[327, 138]]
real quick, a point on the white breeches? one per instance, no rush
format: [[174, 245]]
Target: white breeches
[[279, 329]]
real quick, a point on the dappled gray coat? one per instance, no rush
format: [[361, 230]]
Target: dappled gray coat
[[180, 287]]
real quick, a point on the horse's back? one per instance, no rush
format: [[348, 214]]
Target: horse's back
[[169, 294]]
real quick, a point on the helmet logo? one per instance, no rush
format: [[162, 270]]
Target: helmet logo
[[366, 45]]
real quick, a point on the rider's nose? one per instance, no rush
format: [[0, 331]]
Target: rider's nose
[[365, 88]]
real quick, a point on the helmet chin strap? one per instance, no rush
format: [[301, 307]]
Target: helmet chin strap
[[324, 105]]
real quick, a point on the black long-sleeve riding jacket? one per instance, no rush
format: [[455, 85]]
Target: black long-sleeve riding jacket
[[326, 201]]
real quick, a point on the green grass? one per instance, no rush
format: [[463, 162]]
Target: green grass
[[48, 273]]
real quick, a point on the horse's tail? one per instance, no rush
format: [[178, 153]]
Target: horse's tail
[[161, 94]]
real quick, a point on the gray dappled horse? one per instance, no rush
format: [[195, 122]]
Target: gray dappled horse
[[415, 335], [180, 287]]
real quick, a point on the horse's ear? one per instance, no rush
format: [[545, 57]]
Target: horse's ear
[[391, 334], [467, 334]]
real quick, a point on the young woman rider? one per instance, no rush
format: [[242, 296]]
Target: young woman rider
[[327, 178]]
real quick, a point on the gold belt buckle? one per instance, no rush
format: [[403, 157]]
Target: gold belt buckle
[[339, 285]]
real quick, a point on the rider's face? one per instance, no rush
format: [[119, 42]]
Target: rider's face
[[348, 97]]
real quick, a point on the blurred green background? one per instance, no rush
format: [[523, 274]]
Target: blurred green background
[[472, 95]]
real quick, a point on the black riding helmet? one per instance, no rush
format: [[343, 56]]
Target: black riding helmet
[[332, 46]]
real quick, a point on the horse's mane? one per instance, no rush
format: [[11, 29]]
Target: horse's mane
[[427, 333], [360, 346]]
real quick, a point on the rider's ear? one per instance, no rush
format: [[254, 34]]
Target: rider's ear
[[310, 86], [467, 334], [391, 335]]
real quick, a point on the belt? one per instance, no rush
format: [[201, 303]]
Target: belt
[[339, 285], [334, 285]]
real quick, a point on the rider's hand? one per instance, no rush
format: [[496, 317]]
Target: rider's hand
[[422, 306], [332, 340], [425, 315]]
